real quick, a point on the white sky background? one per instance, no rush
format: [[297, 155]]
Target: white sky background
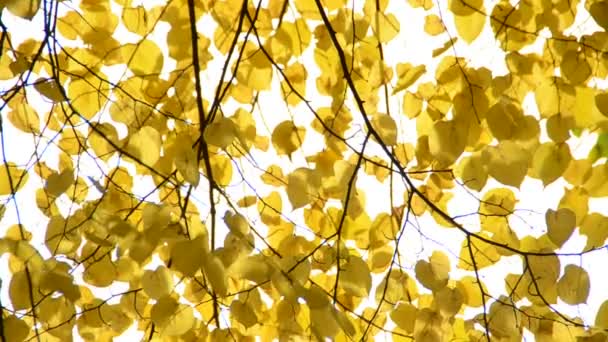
[[413, 46]]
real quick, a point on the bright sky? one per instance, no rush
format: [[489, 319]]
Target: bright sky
[[422, 237]]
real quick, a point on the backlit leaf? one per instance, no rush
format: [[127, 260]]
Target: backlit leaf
[[507, 162], [216, 274], [287, 138], [25, 9], [469, 18], [599, 12], [15, 329], [601, 318], [573, 286], [25, 118], [433, 25], [560, 225], [12, 178], [145, 145], [386, 128], [143, 58], [404, 315], [157, 283], [355, 277], [407, 75], [50, 89], [550, 161], [302, 187]]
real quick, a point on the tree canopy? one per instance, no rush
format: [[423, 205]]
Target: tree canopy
[[231, 169]]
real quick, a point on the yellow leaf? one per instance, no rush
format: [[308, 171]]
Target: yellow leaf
[[157, 283], [507, 162], [100, 273], [179, 323], [575, 68], [448, 44], [15, 329], [550, 161], [408, 74], [290, 39], [88, 94], [355, 277], [381, 258], [18, 291], [573, 287], [243, 313], [503, 119], [57, 312], [287, 137], [404, 316], [296, 75], [426, 4], [247, 201], [60, 238], [498, 202], [58, 183], [428, 326], [324, 323], [220, 133], [385, 27], [599, 12], [595, 227], [601, 102], [25, 118], [560, 225], [504, 322], [578, 171], [137, 20], [221, 167], [186, 162], [433, 25], [601, 318], [447, 141], [143, 58], [302, 187], [597, 183], [255, 72], [558, 128], [49, 89], [270, 208], [470, 290], [187, 256], [99, 141], [449, 301], [253, 268], [470, 24], [25, 9], [434, 275], [545, 270], [472, 171], [586, 114], [58, 279], [171, 317], [386, 128], [145, 145], [12, 178], [412, 105], [553, 97], [577, 200], [216, 274], [237, 223], [483, 253]]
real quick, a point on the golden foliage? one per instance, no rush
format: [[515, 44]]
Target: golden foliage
[[232, 169]]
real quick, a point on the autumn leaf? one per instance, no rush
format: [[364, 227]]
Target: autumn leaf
[[304, 170]]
